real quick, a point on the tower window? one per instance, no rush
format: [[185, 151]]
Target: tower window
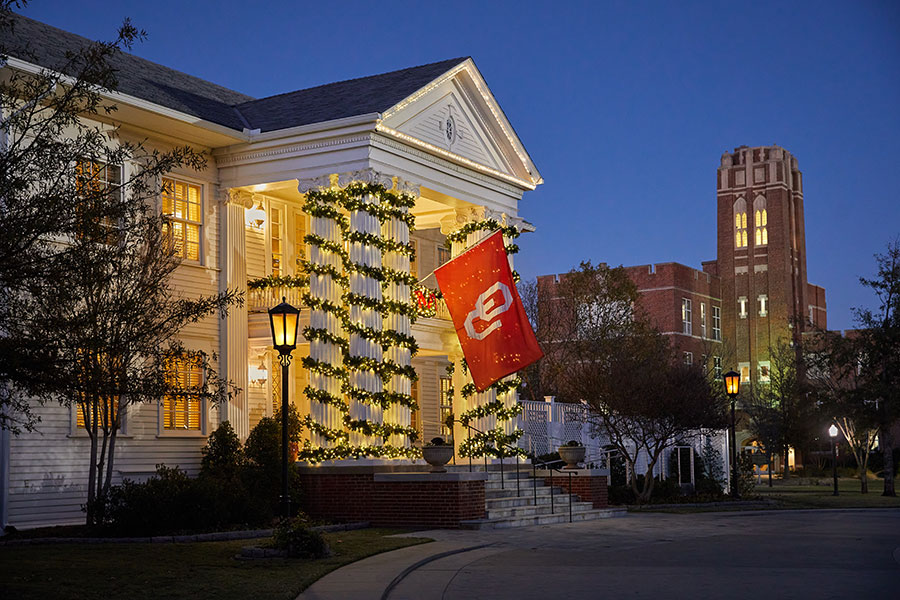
[[763, 305], [742, 306], [740, 223], [760, 221]]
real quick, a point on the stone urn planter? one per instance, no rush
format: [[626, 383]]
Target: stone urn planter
[[437, 455], [572, 455]]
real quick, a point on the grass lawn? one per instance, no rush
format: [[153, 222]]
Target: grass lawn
[[820, 496], [195, 571]]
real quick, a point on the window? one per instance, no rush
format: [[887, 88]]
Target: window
[[182, 206], [703, 319], [414, 259], [688, 358], [182, 408], [764, 373], [745, 372], [763, 305], [93, 180], [812, 315], [276, 231], [106, 413], [717, 323], [443, 255], [686, 316], [760, 221], [717, 366], [446, 405], [742, 305], [740, 223]]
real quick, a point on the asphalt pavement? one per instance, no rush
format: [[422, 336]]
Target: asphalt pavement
[[755, 554]]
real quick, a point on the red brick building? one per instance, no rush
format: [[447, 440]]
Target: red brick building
[[755, 293]]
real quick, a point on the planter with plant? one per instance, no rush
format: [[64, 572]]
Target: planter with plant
[[437, 453], [573, 453]]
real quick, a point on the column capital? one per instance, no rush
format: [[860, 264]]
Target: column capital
[[237, 197]]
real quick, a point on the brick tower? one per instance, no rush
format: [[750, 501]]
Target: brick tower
[[762, 256]]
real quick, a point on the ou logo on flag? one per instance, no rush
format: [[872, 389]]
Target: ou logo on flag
[[487, 309]]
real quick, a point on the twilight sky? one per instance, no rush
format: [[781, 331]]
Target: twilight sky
[[625, 107]]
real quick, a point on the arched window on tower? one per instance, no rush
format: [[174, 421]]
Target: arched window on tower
[[760, 221], [740, 223]]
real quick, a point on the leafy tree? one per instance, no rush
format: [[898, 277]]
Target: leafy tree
[[879, 353], [88, 316], [602, 350]]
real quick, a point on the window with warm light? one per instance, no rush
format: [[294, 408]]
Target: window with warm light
[[745, 372], [763, 305], [106, 413], [760, 221], [299, 242], [181, 410], [740, 223], [182, 207], [94, 180], [276, 232], [742, 306], [764, 371]]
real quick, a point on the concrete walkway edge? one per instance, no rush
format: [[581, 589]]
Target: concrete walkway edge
[[403, 574]]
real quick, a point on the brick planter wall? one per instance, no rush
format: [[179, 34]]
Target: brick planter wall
[[590, 485], [392, 499]]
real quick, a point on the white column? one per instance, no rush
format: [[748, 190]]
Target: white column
[[233, 329]]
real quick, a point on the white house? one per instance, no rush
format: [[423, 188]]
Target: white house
[[432, 136]]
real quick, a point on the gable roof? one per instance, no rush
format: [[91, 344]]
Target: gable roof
[[373, 94], [46, 46]]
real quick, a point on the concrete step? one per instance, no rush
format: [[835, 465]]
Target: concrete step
[[542, 490], [524, 484], [528, 500], [540, 509], [526, 521]]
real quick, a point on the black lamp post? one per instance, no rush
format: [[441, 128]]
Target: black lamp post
[[283, 319], [832, 432], [733, 388]]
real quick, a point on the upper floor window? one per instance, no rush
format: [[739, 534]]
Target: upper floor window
[[443, 255], [276, 232], [740, 223], [763, 305], [717, 323], [182, 205], [764, 372], [760, 221], [688, 358], [745, 372], [95, 183], [703, 319], [686, 316], [742, 306], [717, 366], [182, 409]]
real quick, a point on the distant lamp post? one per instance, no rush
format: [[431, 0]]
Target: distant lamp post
[[833, 432], [283, 319], [733, 388]]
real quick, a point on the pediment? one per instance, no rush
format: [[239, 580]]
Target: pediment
[[457, 116]]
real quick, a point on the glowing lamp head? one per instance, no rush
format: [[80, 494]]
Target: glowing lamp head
[[833, 431], [283, 319], [732, 383]]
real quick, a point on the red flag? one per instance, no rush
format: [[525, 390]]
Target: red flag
[[488, 315]]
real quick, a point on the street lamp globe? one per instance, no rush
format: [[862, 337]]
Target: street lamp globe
[[833, 431], [732, 383], [283, 320]]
